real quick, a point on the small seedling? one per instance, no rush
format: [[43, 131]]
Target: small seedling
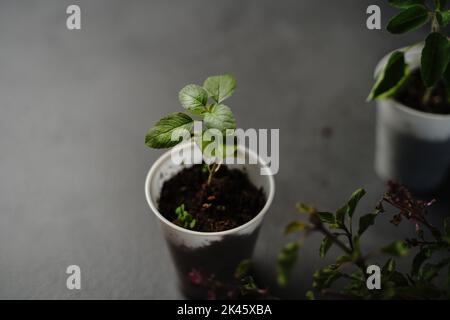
[[185, 218], [205, 103], [435, 55]]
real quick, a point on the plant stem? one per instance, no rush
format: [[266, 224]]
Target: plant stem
[[338, 242], [433, 230], [434, 23], [211, 173], [213, 168], [349, 235], [427, 96], [360, 263]]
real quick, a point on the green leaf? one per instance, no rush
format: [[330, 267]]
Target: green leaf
[[294, 226], [220, 87], [403, 4], [326, 217], [219, 117], [388, 267], [348, 208], [419, 259], [160, 136], [443, 18], [325, 277], [343, 259], [354, 199], [249, 287], [430, 271], [365, 222], [303, 208], [309, 295], [434, 58], [356, 287], [193, 98], [340, 216], [325, 246], [388, 270], [335, 226], [243, 269], [286, 261], [184, 217], [391, 78], [396, 248], [179, 210], [409, 19]]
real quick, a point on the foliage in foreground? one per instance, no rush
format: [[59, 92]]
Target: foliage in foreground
[[242, 286], [346, 277]]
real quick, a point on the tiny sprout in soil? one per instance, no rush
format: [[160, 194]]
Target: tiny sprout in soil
[[185, 218]]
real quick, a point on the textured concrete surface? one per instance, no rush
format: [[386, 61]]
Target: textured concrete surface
[[75, 106]]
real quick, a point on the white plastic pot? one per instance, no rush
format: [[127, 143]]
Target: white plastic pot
[[215, 253], [412, 147]]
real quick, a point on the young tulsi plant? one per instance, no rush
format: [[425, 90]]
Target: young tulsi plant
[[205, 103], [432, 246], [435, 57], [185, 218]]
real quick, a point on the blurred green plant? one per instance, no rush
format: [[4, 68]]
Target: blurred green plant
[[350, 268], [435, 57]]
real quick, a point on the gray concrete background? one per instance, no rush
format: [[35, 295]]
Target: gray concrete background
[[75, 107]]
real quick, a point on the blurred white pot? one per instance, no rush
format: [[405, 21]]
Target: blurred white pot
[[412, 147]]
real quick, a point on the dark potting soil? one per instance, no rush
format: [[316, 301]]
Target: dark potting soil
[[230, 200], [412, 93]]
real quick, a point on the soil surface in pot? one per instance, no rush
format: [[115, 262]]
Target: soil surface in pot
[[230, 200], [413, 91]]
